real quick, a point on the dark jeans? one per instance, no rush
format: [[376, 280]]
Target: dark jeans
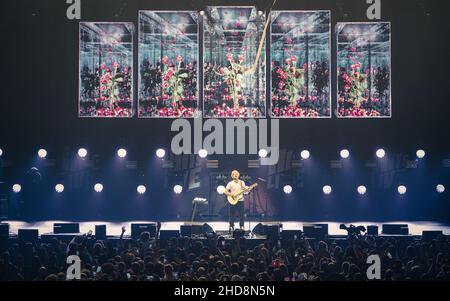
[[237, 209]]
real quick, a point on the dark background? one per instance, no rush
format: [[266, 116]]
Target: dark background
[[39, 108]]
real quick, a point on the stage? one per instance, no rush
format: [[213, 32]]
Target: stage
[[114, 228]]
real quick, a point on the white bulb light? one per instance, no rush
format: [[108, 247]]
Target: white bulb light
[[420, 153], [287, 189], [362, 190], [98, 187], [345, 154], [220, 189], [82, 153], [401, 189], [202, 13], [202, 153], [141, 189], [16, 188], [42, 153], [263, 153], [122, 153], [380, 153], [1, 152], [59, 188], [305, 154], [440, 188], [327, 189], [178, 189], [160, 153]]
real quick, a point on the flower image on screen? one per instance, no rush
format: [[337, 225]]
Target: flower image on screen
[[168, 64], [234, 63], [106, 70], [300, 64], [364, 70]]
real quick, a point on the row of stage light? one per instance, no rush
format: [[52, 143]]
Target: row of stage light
[[203, 153], [287, 189]]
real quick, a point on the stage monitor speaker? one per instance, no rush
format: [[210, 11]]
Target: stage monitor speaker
[[291, 234], [28, 235], [430, 235], [59, 228], [195, 229], [165, 235], [372, 230], [100, 232], [4, 231], [137, 229], [317, 231], [272, 231], [395, 229]]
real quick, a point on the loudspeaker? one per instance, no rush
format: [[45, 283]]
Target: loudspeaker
[[271, 230], [66, 228], [165, 235], [430, 235], [372, 230], [137, 229], [189, 230], [291, 234], [4, 231], [395, 229], [100, 232], [318, 231], [28, 235]]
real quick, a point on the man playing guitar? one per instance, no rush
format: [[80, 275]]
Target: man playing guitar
[[235, 191]]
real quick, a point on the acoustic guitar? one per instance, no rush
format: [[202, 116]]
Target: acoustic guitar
[[239, 195]]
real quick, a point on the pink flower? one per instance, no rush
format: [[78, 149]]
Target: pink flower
[[293, 58], [179, 58], [221, 71], [288, 61], [115, 65], [165, 60], [103, 66], [240, 58], [229, 57]]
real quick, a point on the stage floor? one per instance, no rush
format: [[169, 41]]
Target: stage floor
[[114, 228]]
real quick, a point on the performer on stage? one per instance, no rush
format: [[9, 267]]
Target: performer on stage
[[235, 190]]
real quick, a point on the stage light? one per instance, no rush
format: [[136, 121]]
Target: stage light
[[202, 13], [345, 154], [260, 12], [420, 153], [401, 189], [16, 188], [141, 189], [1, 152], [42, 153], [59, 188], [362, 190], [177, 189], [160, 153], [440, 188], [82, 153], [305, 154], [263, 153], [287, 189], [380, 153], [202, 153], [327, 189], [220, 189], [98, 187], [122, 153]]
